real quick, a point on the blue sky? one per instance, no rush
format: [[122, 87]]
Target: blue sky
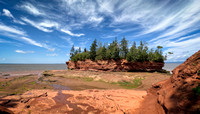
[[43, 31]]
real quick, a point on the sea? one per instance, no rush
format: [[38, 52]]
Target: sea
[[43, 67]]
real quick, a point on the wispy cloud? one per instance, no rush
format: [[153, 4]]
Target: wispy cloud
[[32, 42], [7, 13], [28, 7], [45, 26], [182, 48], [11, 29], [23, 52], [72, 34]]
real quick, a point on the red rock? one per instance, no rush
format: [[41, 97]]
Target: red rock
[[112, 65], [176, 94]]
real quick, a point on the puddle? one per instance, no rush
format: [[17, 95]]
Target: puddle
[[61, 100], [60, 87]]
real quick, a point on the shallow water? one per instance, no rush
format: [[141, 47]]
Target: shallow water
[[31, 67], [171, 66]]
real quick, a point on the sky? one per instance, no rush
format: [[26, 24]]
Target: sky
[[43, 31]]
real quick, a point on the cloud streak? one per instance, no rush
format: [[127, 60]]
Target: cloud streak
[[72, 34], [32, 42], [7, 13], [45, 26], [11, 29], [28, 7], [23, 52]]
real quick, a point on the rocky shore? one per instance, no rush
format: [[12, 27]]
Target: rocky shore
[[175, 95]]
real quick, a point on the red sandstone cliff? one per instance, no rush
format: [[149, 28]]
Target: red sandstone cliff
[[112, 65], [177, 94]]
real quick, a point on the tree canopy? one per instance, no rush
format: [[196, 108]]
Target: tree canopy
[[118, 51]]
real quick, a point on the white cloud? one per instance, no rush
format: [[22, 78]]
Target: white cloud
[[182, 48], [28, 7], [32, 42], [13, 30], [45, 25], [7, 13], [96, 20], [23, 52], [54, 54], [71, 34]]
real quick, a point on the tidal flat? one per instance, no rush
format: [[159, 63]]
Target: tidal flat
[[11, 84]]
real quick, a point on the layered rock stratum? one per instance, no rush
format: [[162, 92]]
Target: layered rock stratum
[[115, 65]]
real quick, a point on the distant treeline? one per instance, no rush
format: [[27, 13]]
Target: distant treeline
[[118, 51]]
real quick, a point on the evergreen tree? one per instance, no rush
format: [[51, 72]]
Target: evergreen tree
[[114, 47], [99, 53], [93, 50], [85, 50], [132, 55], [79, 50], [123, 48], [103, 53], [72, 52], [76, 52], [116, 51]]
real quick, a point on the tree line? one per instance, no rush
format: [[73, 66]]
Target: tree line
[[118, 51]]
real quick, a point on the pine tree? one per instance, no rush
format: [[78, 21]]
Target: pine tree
[[103, 53], [85, 50], [93, 50], [72, 52], [79, 50], [123, 48], [132, 55]]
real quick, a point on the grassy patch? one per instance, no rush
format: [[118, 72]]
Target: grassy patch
[[130, 84], [85, 78]]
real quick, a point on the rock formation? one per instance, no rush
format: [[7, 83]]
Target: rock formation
[[115, 65], [181, 92]]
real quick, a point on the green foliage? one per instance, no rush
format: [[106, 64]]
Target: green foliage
[[93, 50], [117, 51], [131, 84], [72, 52], [196, 90], [123, 48], [80, 56], [79, 50]]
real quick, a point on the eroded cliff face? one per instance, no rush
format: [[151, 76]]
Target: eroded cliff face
[[180, 93], [115, 65]]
